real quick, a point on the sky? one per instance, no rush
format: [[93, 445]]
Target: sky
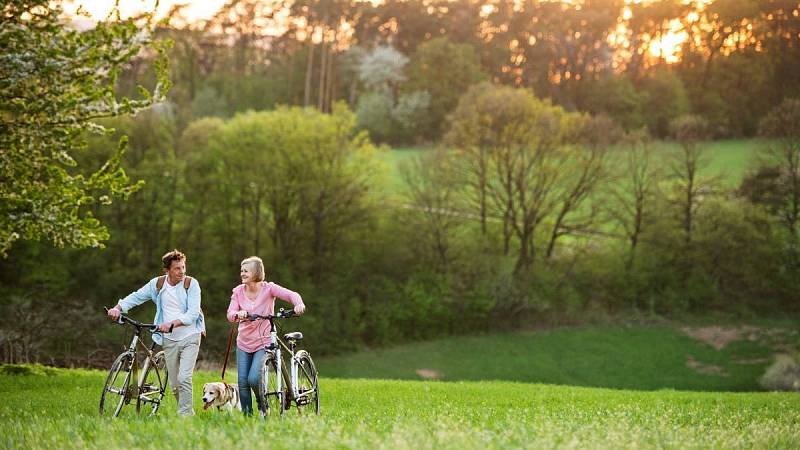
[[204, 9]]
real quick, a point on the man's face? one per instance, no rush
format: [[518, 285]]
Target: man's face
[[176, 271]]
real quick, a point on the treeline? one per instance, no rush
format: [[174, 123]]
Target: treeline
[[529, 214], [401, 65], [548, 199]]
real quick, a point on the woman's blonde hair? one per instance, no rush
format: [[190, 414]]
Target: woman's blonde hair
[[256, 265]]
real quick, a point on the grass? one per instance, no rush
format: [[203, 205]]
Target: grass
[[637, 358], [58, 411], [729, 159], [393, 159], [57, 408]]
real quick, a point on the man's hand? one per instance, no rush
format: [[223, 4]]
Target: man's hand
[[165, 327], [299, 309], [241, 314], [114, 312]]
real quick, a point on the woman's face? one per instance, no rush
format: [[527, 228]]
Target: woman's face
[[246, 273]]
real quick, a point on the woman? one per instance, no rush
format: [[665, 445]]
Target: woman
[[255, 296]]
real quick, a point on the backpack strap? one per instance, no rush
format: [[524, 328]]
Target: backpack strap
[[187, 281]]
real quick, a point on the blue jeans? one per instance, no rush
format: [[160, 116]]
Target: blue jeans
[[248, 366]]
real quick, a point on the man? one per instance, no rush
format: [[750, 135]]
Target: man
[[177, 299]]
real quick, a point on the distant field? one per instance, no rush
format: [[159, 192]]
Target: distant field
[[638, 357], [59, 411], [729, 159]]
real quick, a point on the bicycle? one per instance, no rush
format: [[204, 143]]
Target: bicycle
[[299, 386], [148, 389]]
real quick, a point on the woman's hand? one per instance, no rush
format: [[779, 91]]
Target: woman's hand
[[299, 309], [241, 314]]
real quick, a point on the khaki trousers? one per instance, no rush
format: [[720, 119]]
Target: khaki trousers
[[181, 357]]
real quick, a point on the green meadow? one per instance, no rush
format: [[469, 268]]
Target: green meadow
[[618, 357], [729, 159], [593, 387]]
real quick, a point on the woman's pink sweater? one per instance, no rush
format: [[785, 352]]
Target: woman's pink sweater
[[254, 336]]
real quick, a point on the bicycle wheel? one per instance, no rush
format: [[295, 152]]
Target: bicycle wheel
[[116, 390], [307, 383], [153, 386], [268, 387]]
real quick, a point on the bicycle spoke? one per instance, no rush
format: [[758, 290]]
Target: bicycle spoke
[[151, 391], [116, 388]]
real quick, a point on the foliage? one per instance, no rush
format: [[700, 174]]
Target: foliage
[[382, 69], [56, 82], [445, 87], [618, 98], [388, 115], [665, 100], [519, 166], [782, 375]]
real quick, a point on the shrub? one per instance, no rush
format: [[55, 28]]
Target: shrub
[[27, 369], [782, 375]]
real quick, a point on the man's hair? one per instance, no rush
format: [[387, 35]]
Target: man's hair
[[257, 266], [174, 255]]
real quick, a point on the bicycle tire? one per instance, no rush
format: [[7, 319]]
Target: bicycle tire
[[154, 384], [307, 383], [273, 399], [116, 388]]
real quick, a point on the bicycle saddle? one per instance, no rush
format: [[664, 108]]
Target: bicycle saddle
[[295, 336]]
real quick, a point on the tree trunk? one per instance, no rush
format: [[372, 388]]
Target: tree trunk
[[309, 71], [322, 72]]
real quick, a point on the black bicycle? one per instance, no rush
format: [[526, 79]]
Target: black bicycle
[[299, 386], [123, 385]]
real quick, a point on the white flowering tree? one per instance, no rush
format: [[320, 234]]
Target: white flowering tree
[[387, 115]]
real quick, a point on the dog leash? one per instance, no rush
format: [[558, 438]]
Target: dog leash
[[228, 351]]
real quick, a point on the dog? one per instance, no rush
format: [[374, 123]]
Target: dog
[[222, 395]]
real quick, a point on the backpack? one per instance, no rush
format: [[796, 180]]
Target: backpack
[[187, 281]]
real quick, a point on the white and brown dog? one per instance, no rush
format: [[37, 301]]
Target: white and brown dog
[[222, 395]]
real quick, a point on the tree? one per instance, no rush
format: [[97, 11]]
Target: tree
[[303, 184], [686, 166], [388, 115], [665, 100], [512, 145], [581, 173], [635, 190], [444, 86], [434, 214], [776, 183], [55, 83]]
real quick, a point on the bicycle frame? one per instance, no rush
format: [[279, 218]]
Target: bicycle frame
[[135, 384], [134, 364], [276, 347]]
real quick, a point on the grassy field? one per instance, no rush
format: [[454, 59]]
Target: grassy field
[[59, 409], [728, 159], [638, 357]]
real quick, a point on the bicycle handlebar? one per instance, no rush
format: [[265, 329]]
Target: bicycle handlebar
[[151, 327], [282, 314]]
